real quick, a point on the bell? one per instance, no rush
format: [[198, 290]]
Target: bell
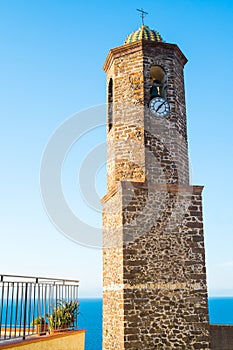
[[155, 89]]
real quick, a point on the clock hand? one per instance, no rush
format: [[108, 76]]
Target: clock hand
[[160, 106]]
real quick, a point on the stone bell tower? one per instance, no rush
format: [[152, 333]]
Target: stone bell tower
[[155, 294]]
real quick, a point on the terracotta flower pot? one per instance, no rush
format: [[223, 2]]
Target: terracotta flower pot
[[41, 329]]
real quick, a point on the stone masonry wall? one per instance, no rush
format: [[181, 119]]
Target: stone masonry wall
[[125, 150], [165, 289], [155, 288]]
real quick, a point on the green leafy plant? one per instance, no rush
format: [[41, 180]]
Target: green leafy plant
[[41, 325], [64, 315], [38, 320]]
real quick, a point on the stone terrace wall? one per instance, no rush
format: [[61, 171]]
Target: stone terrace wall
[[221, 337]]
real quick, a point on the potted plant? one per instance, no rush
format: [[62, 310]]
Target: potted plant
[[64, 315], [41, 325]]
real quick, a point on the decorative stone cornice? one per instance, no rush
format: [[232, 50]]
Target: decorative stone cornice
[[141, 45], [121, 51], [157, 187], [109, 194], [164, 187]]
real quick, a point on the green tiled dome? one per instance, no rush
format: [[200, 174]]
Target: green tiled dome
[[144, 33]]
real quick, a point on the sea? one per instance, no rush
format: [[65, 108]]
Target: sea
[[90, 318]]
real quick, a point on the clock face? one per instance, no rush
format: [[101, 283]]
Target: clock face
[[159, 107]]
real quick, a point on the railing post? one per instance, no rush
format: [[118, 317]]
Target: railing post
[[25, 310]]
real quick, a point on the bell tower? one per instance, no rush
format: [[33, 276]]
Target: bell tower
[[154, 279]]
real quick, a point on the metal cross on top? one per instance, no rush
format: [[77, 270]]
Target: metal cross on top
[[143, 13]]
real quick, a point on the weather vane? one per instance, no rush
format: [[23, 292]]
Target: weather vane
[[143, 13]]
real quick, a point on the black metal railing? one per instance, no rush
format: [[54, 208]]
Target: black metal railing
[[36, 305]]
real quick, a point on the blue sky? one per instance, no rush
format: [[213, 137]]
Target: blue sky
[[52, 53]]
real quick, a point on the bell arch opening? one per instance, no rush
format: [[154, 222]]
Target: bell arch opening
[[158, 80]]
